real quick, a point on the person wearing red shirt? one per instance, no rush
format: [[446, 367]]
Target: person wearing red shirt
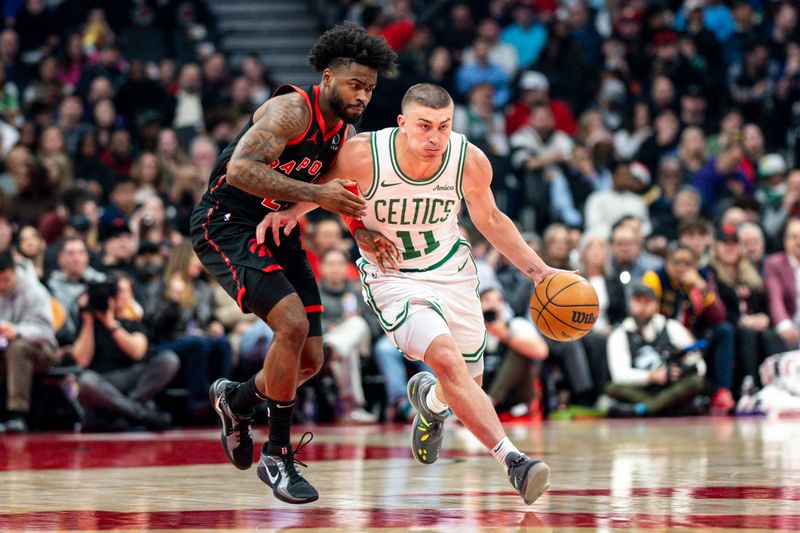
[[534, 90]]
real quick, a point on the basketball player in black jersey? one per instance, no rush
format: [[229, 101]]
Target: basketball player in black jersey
[[289, 142]]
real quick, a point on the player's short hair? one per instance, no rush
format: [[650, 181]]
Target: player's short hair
[[349, 43], [428, 95]]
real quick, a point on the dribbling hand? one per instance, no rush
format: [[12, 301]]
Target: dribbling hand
[[541, 274]]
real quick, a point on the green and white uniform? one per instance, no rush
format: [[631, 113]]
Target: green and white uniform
[[435, 290]]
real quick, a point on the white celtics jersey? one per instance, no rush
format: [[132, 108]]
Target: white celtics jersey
[[420, 216]]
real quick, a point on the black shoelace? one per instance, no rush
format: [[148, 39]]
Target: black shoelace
[[289, 460]]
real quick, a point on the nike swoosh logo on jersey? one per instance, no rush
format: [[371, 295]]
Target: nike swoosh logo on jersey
[[272, 479], [385, 184], [463, 265]]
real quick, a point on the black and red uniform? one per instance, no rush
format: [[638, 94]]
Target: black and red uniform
[[225, 220]]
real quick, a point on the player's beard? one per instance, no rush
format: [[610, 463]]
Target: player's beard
[[340, 109]]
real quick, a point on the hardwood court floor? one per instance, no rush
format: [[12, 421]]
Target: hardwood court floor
[[607, 475]]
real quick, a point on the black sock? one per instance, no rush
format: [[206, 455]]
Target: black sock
[[246, 397], [280, 425]]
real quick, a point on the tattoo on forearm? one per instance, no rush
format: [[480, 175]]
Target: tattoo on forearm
[[262, 145]]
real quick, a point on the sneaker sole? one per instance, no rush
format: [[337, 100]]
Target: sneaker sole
[[261, 471], [410, 394], [414, 446], [212, 396], [538, 482]]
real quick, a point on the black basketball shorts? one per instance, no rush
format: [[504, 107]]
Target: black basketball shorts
[[257, 276]]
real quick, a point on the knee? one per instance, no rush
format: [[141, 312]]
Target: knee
[[446, 363], [724, 330], [18, 349], [88, 380], [293, 329], [168, 361]]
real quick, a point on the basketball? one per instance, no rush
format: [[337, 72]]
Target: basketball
[[564, 306]]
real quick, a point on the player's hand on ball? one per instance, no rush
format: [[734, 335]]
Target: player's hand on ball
[[275, 221], [539, 275], [335, 196], [383, 249]]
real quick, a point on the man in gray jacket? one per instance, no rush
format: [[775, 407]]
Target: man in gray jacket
[[27, 340], [70, 281]]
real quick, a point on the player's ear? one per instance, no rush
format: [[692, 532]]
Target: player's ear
[[327, 76], [401, 121]]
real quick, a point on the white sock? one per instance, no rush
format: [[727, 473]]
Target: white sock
[[433, 402], [502, 449]]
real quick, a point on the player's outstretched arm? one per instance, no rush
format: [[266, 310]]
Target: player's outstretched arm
[[493, 223], [284, 118]]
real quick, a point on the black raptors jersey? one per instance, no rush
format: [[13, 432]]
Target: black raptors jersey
[[305, 158]]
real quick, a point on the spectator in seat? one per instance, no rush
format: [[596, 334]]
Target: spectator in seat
[[781, 271], [779, 196], [526, 34], [501, 54], [482, 70], [753, 244], [513, 349], [539, 154], [27, 339], [603, 208], [534, 89], [121, 374], [69, 281], [692, 298], [180, 309], [643, 379], [741, 289], [346, 334]]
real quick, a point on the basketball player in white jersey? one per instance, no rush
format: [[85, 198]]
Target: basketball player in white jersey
[[414, 178]]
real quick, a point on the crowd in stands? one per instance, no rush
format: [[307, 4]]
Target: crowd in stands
[[651, 144]]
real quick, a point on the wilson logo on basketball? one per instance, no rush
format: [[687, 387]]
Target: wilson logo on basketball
[[583, 318]]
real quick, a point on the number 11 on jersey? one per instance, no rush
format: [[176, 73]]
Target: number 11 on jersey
[[410, 251]]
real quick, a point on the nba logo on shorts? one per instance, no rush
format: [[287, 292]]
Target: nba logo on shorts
[[374, 274]]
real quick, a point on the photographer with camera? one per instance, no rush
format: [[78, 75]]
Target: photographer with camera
[[121, 376], [513, 350], [27, 340], [650, 372]]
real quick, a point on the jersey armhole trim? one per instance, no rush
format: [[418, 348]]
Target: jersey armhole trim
[[375, 166], [462, 157], [310, 116]]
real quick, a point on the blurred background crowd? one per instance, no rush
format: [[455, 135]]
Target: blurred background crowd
[[652, 144]]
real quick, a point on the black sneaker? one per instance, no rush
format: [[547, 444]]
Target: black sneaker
[[237, 439], [280, 472], [529, 476], [428, 430]]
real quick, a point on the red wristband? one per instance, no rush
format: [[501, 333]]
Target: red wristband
[[353, 224]]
